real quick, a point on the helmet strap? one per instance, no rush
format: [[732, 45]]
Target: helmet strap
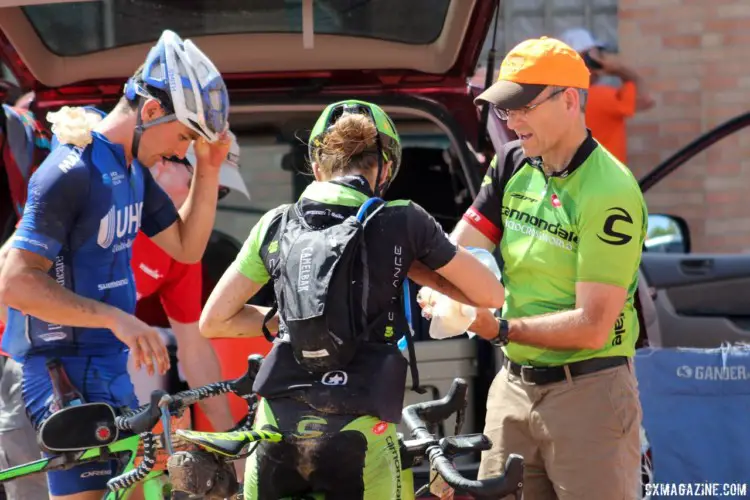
[[378, 191], [137, 131], [140, 127]]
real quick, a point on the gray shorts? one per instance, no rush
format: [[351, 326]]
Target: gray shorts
[[17, 436]]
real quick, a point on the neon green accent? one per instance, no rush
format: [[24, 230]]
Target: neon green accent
[[382, 472], [23, 469], [334, 194], [486, 180], [382, 121], [407, 484], [153, 484], [303, 427], [248, 261], [212, 441], [263, 416], [547, 249], [388, 331], [156, 488], [398, 203]]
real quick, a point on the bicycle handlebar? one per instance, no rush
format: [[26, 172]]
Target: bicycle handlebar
[[416, 417], [143, 419]]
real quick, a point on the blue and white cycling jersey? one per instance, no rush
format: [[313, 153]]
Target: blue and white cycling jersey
[[84, 209]]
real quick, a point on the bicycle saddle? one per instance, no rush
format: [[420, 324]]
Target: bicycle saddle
[[229, 444], [77, 428]]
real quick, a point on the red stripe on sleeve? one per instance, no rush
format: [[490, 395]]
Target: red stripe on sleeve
[[483, 225]]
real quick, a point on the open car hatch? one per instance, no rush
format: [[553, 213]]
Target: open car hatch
[[86, 49]]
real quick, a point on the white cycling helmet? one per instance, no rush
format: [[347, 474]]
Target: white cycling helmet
[[198, 94], [230, 176]]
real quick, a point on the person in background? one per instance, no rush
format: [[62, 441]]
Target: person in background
[[171, 296], [20, 132], [176, 289], [609, 107]]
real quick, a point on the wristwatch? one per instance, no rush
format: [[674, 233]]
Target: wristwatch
[[502, 331]]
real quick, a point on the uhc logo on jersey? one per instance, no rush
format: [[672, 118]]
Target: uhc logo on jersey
[[119, 223]]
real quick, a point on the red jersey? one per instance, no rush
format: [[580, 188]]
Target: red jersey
[[165, 285]]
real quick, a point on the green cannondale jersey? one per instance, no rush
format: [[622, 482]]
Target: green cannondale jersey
[[584, 224]]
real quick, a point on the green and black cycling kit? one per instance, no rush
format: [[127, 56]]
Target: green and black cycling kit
[[584, 224]]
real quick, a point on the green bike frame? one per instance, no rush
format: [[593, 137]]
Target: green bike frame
[[228, 445], [155, 485]]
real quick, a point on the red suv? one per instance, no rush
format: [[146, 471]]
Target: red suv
[[283, 61]]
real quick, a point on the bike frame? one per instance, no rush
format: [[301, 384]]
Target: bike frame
[[139, 424], [153, 484]]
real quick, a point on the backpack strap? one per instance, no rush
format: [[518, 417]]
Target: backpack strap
[[362, 212], [406, 294], [266, 332], [406, 297], [275, 307]]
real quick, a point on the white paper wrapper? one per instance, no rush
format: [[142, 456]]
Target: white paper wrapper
[[73, 125]]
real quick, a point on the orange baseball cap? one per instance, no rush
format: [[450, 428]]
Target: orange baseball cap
[[530, 67]]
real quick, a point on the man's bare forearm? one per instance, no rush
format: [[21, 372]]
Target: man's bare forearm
[[198, 213], [563, 331], [35, 293], [248, 322], [643, 97]]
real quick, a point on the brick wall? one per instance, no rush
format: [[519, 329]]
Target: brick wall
[[696, 56]]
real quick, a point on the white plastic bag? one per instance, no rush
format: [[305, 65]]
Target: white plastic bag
[[450, 318]]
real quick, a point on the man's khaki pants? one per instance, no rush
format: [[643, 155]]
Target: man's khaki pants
[[579, 437]]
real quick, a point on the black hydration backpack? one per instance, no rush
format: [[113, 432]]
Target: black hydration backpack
[[321, 283]]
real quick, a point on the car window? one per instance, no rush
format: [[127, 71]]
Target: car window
[[76, 28]]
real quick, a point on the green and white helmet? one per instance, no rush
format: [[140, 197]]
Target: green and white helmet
[[388, 140]]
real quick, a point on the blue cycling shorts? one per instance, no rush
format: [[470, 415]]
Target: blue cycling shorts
[[99, 379]]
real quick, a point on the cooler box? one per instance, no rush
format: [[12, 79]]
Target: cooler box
[[439, 362], [696, 404]]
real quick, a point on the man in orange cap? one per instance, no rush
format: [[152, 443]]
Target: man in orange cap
[[570, 221]]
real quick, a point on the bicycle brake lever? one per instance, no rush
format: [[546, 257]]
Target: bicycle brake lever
[[460, 415], [166, 423]]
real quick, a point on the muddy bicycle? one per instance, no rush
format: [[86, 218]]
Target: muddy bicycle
[[145, 440]]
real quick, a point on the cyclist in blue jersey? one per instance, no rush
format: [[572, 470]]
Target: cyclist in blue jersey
[[67, 280]]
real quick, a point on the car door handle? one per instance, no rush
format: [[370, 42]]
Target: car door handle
[[696, 266]]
